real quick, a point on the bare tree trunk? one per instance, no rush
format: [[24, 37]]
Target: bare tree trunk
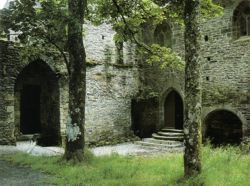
[[192, 125], [77, 83]]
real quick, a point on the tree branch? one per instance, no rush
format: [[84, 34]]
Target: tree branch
[[132, 33], [62, 53]]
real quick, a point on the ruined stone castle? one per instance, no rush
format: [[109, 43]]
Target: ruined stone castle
[[126, 96]]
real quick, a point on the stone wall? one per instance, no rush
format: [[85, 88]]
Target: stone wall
[[110, 88], [122, 97], [11, 66], [225, 73], [226, 67], [156, 83], [8, 57]]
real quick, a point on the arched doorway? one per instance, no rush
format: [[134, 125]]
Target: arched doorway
[[173, 111], [37, 103], [223, 127]]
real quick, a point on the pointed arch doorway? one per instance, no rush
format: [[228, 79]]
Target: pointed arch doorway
[[173, 110]]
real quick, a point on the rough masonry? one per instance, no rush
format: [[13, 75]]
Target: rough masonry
[[127, 97]]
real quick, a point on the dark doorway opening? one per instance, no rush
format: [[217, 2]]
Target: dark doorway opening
[[30, 121], [223, 127], [144, 116], [37, 104], [173, 111]]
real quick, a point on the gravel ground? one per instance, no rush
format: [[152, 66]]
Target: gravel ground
[[121, 149], [32, 148]]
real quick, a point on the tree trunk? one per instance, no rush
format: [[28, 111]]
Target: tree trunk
[[192, 125], [77, 83]]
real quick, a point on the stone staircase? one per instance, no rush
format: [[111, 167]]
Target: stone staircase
[[167, 139]]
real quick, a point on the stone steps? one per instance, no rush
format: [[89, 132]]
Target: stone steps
[[168, 139], [172, 130], [170, 134], [171, 138]]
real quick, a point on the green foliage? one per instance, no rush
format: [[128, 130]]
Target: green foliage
[[125, 16], [165, 57], [219, 93], [210, 9], [147, 93], [128, 17], [245, 145], [221, 166], [40, 24]]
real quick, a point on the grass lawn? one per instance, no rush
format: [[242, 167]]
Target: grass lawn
[[221, 166]]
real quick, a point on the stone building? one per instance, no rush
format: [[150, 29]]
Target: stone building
[[125, 95], [34, 92], [225, 46], [226, 73]]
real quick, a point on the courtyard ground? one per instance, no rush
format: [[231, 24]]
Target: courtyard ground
[[121, 149], [16, 175], [226, 166]]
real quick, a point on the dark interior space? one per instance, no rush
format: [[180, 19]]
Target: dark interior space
[[30, 109], [223, 127], [37, 103], [241, 20], [163, 35], [173, 111], [144, 117]]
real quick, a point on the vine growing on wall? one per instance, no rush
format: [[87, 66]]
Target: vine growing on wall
[[219, 93]]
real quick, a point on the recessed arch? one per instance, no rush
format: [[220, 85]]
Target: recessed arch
[[241, 20], [223, 127], [163, 35], [37, 103], [173, 110]]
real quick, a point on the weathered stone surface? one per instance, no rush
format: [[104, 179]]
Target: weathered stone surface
[[226, 67], [110, 89], [111, 86], [225, 71]]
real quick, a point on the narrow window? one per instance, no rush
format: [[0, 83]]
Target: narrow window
[[119, 52], [163, 35]]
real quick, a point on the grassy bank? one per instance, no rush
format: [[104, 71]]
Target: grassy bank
[[227, 166]]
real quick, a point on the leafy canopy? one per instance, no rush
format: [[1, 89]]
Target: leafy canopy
[[43, 23], [128, 17]]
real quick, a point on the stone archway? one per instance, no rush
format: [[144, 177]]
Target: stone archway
[[223, 127], [241, 20], [37, 103], [173, 111]]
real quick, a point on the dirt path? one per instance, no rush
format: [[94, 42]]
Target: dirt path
[[13, 175]]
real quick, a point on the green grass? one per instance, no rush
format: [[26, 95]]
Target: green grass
[[222, 166]]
